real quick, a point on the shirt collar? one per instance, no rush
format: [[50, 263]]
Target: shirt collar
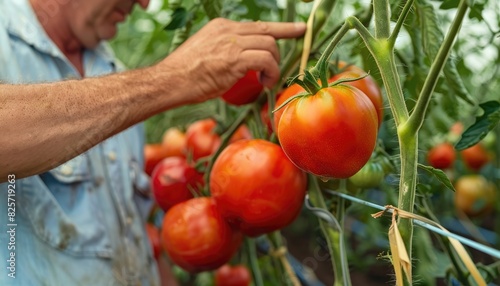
[[23, 23]]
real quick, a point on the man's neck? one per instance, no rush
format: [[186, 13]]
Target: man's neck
[[58, 29]]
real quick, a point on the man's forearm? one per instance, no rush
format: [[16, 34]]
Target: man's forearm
[[44, 125]]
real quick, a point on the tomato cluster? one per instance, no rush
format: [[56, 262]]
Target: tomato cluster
[[255, 189], [256, 186], [443, 155]]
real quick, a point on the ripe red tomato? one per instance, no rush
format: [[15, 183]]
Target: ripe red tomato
[[153, 154], [237, 275], [201, 139], [154, 238], [174, 141], [245, 91], [241, 133], [196, 237], [367, 85], [256, 187], [474, 196], [441, 156], [475, 157], [330, 134], [173, 181]]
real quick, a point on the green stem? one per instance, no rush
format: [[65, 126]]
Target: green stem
[[364, 17], [400, 22], [382, 19], [285, 267], [334, 238], [383, 54], [407, 184], [321, 67], [417, 117], [384, 57], [254, 263]]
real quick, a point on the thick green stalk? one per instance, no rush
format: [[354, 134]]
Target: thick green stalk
[[383, 52], [418, 116], [334, 238], [382, 19], [400, 22]]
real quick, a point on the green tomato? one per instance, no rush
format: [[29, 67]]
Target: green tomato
[[370, 176], [489, 141]]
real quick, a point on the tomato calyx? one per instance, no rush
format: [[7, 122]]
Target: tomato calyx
[[348, 79]]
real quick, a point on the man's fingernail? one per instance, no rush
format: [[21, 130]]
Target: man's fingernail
[[300, 25]]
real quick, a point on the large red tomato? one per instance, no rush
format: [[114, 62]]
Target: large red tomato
[[237, 275], [154, 238], [245, 91], [256, 187], [330, 134], [173, 181], [441, 156], [475, 157], [196, 237], [474, 195], [174, 141], [153, 154], [367, 85]]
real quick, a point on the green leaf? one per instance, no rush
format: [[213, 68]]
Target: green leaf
[[431, 30], [432, 37], [179, 19], [483, 124], [438, 174], [476, 11], [449, 4], [455, 83], [212, 8]]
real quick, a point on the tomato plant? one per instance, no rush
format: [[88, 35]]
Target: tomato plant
[[196, 236], [475, 157], [245, 91], [237, 275], [154, 239], [474, 195], [174, 141], [174, 181], [153, 154], [367, 85], [330, 134], [426, 93], [441, 156], [256, 187]]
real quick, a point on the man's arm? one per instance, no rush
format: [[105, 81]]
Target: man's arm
[[44, 125]]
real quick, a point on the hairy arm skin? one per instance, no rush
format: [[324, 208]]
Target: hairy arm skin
[[44, 125]]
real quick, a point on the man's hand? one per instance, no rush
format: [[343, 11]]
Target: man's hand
[[223, 51]]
